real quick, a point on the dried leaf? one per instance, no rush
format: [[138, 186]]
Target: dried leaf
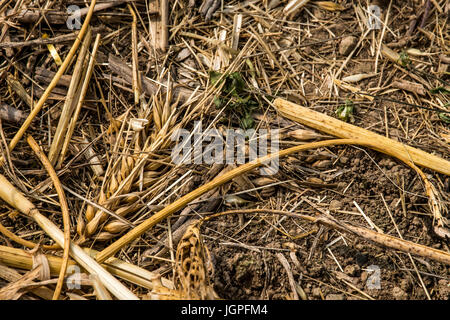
[[40, 260], [11, 114], [138, 124], [353, 89], [304, 135], [74, 296], [53, 51], [393, 56], [417, 52], [442, 232]]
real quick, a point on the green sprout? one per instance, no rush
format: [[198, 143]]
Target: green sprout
[[345, 112], [444, 116], [235, 97], [404, 59]]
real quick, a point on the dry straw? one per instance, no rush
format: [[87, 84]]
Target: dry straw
[[54, 81], [16, 199], [18, 258]]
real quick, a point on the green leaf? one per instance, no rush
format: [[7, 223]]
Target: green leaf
[[218, 102], [440, 90], [214, 77], [247, 122], [239, 103], [243, 100], [251, 67], [444, 117], [345, 112], [235, 83], [404, 59]]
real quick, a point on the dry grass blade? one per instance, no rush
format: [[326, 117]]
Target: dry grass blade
[[84, 87], [20, 91], [23, 242], [136, 76], [329, 5], [73, 97], [100, 290], [287, 267], [294, 6]]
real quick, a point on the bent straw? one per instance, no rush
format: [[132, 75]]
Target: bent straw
[[183, 201], [16, 199], [64, 210], [53, 83], [26, 243]]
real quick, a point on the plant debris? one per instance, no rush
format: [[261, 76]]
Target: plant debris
[[351, 98]]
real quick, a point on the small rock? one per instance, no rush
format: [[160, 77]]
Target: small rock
[[333, 296], [335, 205], [342, 185], [399, 294], [351, 269], [437, 246], [316, 292], [347, 45], [364, 276], [321, 164], [394, 204], [388, 163], [405, 284], [343, 160], [183, 54], [314, 180], [417, 221]]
